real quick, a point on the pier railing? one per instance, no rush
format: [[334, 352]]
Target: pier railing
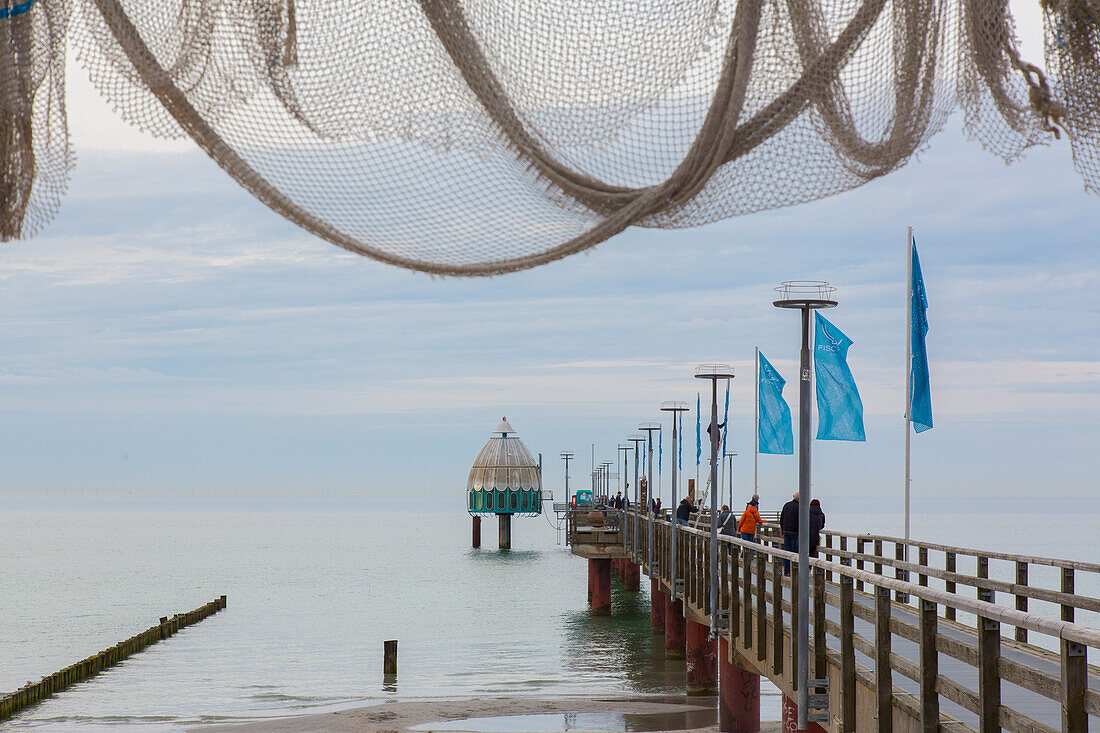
[[905, 653]]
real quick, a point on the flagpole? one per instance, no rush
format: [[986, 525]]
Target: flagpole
[[697, 396], [755, 423], [908, 370]]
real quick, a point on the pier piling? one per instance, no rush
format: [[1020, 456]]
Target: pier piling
[[658, 602], [738, 695], [702, 660], [675, 632], [631, 576], [477, 532], [599, 581], [505, 533]]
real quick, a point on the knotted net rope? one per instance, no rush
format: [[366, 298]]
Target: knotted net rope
[[477, 137]]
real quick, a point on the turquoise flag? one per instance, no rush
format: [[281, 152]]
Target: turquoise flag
[[839, 408], [774, 432], [698, 433], [920, 393]]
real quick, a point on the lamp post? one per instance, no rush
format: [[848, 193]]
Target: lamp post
[[637, 441], [566, 456], [624, 449], [675, 408], [606, 466], [729, 483], [649, 428], [805, 296], [714, 372]]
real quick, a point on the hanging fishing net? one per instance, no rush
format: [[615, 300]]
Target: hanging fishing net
[[475, 137]]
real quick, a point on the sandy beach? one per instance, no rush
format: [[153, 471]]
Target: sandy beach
[[397, 717]]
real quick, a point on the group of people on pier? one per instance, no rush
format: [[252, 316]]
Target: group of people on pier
[[746, 526]]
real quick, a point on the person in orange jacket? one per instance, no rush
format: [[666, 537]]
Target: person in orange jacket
[[750, 519]]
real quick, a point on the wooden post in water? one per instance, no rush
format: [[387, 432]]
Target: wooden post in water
[[505, 538], [658, 602], [389, 657], [599, 576], [477, 532]]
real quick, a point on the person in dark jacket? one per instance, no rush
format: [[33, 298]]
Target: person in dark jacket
[[618, 501], [788, 523], [684, 511], [817, 523]]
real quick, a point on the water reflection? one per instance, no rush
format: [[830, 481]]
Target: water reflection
[[563, 722], [622, 646]]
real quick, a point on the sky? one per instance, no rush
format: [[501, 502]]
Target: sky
[[170, 342]]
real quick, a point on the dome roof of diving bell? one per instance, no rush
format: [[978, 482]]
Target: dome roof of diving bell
[[504, 463]]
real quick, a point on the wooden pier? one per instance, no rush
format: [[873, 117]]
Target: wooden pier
[[954, 639]]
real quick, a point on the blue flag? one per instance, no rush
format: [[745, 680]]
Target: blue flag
[[774, 432], [698, 433], [839, 408], [920, 393]]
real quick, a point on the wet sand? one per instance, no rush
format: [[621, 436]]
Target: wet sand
[[397, 717]]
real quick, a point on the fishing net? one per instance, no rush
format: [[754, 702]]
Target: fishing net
[[475, 137]]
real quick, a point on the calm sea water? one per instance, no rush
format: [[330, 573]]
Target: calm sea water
[[312, 596]]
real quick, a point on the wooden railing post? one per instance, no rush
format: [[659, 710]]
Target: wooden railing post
[[989, 678], [1067, 587], [761, 609], [929, 669], [844, 548], [949, 586], [878, 554], [984, 594], [884, 682], [746, 606], [859, 561], [777, 615], [820, 667], [829, 556], [922, 559], [847, 657], [732, 589], [1074, 681], [795, 620], [900, 574], [1021, 599]]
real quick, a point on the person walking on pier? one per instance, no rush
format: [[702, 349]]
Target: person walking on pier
[[788, 524], [750, 520], [817, 523], [684, 511], [726, 525]]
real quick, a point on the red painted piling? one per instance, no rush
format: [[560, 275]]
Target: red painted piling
[[738, 695], [632, 576], [599, 577], [657, 603], [702, 660], [675, 631]]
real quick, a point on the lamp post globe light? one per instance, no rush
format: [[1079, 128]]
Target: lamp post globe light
[[648, 428], [675, 408], [714, 372], [636, 440], [804, 296]]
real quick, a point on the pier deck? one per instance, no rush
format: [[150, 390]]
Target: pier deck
[[952, 651]]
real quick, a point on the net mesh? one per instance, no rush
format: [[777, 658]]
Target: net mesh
[[476, 137]]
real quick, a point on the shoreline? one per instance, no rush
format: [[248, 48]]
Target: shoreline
[[399, 717]]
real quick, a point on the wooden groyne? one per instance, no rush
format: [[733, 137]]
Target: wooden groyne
[[33, 692]]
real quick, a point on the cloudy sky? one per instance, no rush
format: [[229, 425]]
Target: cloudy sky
[[170, 341]]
